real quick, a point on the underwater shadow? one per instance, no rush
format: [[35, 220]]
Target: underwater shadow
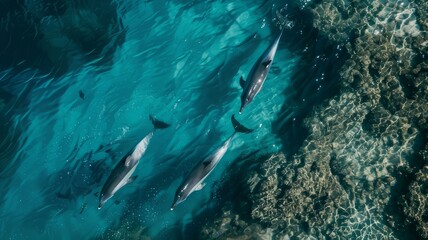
[[315, 79], [58, 36]]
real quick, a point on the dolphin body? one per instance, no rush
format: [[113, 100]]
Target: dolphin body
[[122, 173], [258, 74], [194, 180]]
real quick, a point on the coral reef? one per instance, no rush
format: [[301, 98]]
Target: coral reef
[[364, 146], [129, 227], [234, 227], [416, 200]]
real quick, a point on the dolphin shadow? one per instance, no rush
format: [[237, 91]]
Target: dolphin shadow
[[80, 176], [68, 190]]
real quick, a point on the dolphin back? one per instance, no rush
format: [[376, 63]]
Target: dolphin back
[[157, 124], [239, 127]]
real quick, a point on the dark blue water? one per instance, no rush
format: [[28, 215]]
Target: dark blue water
[[80, 78]]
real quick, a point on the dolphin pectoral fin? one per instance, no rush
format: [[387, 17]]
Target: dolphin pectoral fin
[[131, 179], [266, 64], [199, 186], [242, 82]]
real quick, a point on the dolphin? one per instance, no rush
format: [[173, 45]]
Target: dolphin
[[193, 181], [122, 173], [258, 74]]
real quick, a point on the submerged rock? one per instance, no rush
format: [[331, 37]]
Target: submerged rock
[[416, 202], [362, 171], [129, 227]]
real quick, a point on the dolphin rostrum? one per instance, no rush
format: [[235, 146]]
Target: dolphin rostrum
[[194, 180], [258, 74], [121, 174]]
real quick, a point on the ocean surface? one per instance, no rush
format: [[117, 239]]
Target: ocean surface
[[79, 79]]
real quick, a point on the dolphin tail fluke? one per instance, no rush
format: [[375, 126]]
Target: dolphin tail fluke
[[157, 124], [239, 127]]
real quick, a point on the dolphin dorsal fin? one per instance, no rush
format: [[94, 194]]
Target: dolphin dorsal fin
[[266, 63], [242, 82]]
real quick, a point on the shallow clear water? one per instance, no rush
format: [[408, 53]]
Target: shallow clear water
[[179, 62]]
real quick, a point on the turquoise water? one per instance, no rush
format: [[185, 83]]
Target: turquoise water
[[179, 62]]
